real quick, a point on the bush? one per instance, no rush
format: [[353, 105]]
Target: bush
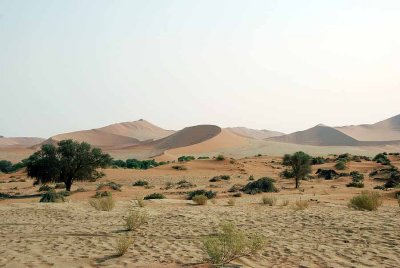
[[300, 205], [340, 165], [269, 200], [4, 196], [220, 178], [122, 245], [52, 197], [135, 219], [203, 157], [141, 202], [230, 244], [355, 184], [367, 200], [382, 159], [80, 190], [106, 203], [357, 180], [64, 193], [154, 196], [179, 167], [184, 184], [327, 174], [317, 160], [235, 188], [261, 185], [186, 158], [251, 178], [45, 188], [208, 194], [286, 174], [140, 183], [220, 157], [112, 185], [200, 199]]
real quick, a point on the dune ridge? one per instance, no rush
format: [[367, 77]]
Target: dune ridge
[[255, 133], [19, 142]]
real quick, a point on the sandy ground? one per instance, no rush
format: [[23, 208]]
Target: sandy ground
[[74, 234]]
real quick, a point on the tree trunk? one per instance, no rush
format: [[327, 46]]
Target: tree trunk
[[297, 183], [68, 184]]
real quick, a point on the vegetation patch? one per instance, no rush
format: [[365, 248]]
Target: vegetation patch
[[179, 167], [327, 174], [154, 196], [110, 184], [52, 197], [220, 178], [200, 199], [262, 185], [209, 194], [367, 200], [140, 183], [185, 158], [269, 200], [381, 159], [135, 219], [106, 203]]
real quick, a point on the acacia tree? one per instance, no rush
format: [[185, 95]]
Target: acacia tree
[[300, 163], [66, 162]]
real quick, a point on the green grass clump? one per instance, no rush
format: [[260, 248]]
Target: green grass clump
[[45, 188], [208, 194], [112, 185], [367, 200], [154, 196], [52, 197], [200, 199], [140, 183]]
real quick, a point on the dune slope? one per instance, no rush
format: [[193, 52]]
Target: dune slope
[[254, 133]]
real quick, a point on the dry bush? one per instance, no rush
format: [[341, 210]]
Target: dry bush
[[367, 200], [285, 202], [231, 201], [122, 245], [301, 205], [214, 201], [230, 244], [200, 199], [269, 200], [103, 203], [135, 219], [141, 203]]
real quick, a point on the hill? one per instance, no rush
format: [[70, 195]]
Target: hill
[[254, 133], [19, 142]]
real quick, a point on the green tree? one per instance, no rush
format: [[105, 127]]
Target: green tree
[[300, 164], [66, 162]]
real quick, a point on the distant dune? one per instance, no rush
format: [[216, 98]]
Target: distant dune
[[386, 130], [254, 133], [140, 130], [19, 142]]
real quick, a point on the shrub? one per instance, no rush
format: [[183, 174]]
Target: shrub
[[51, 197], [220, 178], [112, 185], [286, 174], [140, 183], [102, 194], [179, 167], [106, 203], [327, 174], [355, 184], [209, 194], [203, 157], [238, 194], [300, 205], [45, 188], [269, 200], [141, 203], [200, 199], [4, 196], [184, 184], [367, 200], [186, 158], [231, 202], [59, 186], [235, 188], [382, 159], [80, 189], [356, 176], [135, 219], [261, 185], [122, 245], [220, 157], [317, 160], [251, 178], [230, 244], [340, 165], [64, 193], [154, 196]]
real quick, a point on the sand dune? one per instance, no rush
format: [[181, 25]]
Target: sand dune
[[386, 130], [254, 133], [19, 142], [140, 130]]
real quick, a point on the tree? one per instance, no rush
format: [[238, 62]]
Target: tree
[[300, 163], [66, 162]]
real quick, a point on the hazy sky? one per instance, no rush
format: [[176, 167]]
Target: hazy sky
[[279, 65]]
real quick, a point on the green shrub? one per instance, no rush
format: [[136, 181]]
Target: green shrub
[[327, 174], [367, 200], [317, 160], [185, 158], [203, 157], [261, 185], [106, 203], [200, 199], [102, 194], [269, 200], [80, 190], [135, 219], [59, 186], [140, 183], [184, 184], [286, 174], [154, 196], [64, 193], [220, 157], [4, 195], [355, 184], [230, 243], [251, 178], [179, 167], [340, 165], [209, 194], [220, 178], [357, 180], [52, 197], [45, 188], [110, 184], [382, 159]]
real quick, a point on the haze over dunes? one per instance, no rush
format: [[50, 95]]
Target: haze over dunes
[[18, 142]]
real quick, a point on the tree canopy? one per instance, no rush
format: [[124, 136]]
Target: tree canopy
[[66, 162], [300, 163]]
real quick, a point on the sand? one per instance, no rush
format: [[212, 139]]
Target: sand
[[254, 133], [327, 234]]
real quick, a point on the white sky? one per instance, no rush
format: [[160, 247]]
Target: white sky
[[279, 65]]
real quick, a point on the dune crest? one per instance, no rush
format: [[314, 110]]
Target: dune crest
[[254, 133]]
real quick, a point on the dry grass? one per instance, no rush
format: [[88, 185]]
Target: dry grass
[[135, 219], [200, 199], [301, 205], [367, 200], [141, 203], [103, 203], [231, 202], [285, 202], [269, 200], [122, 245]]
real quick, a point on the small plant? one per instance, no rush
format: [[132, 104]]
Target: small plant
[[52, 197], [112, 185], [209, 194], [357, 180], [135, 219], [301, 205], [154, 196], [184, 184], [141, 203], [356, 184], [286, 174], [231, 202], [140, 183], [285, 202], [220, 157], [230, 243], [122, 245], [179, 167], [200, 199], [220, 178], [367, 200], [45, 188], [102, 194], [80, 190], [269, 200], [103, 203], [203, 157], [340, 165], [251, 178]]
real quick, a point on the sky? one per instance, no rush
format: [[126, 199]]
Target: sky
[[278, 65]]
